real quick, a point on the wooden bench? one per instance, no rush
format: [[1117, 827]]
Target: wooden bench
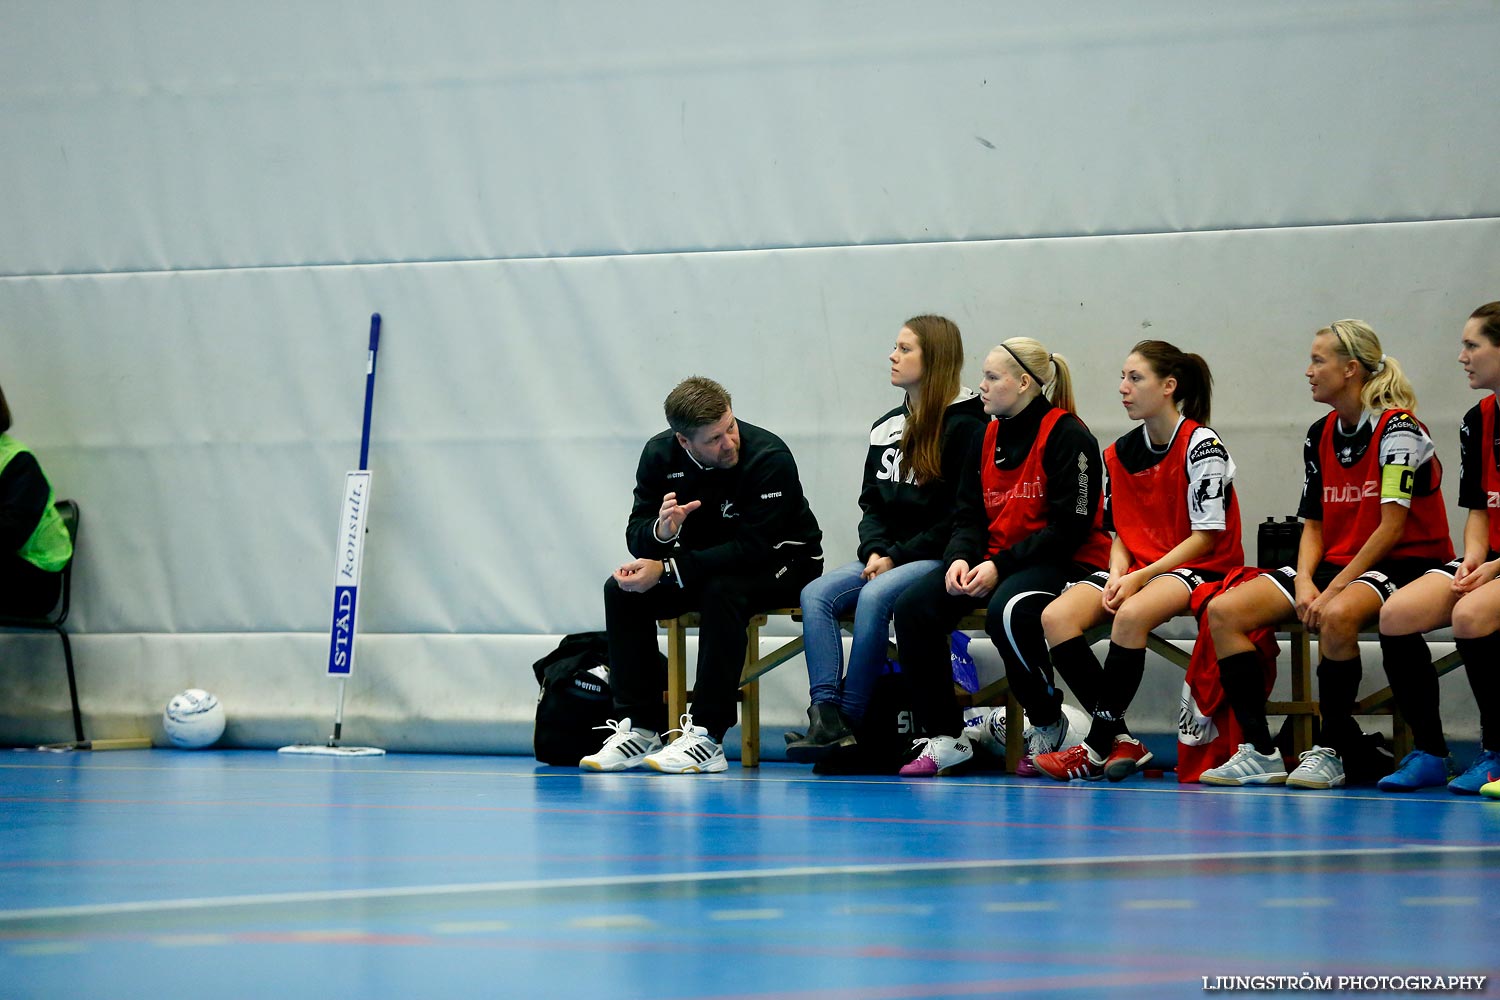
[[1303, 707], [757, 665], [1300, 710]]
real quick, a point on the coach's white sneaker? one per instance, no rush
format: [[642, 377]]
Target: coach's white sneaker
[[624, 749], [693, 752]]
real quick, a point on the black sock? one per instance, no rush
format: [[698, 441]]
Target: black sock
[[1076, 664], [1242, 676], [1122, 678], [1408, 666], [1123, 670], [1482, 664], [1338, 687], [1101, 737]]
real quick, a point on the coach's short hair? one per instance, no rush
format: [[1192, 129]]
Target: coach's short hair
[[696, 402], [4, 413]]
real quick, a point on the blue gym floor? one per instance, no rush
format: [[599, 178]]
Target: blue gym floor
[[247, 874]]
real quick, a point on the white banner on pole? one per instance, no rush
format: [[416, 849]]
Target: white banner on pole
[[346, 572]]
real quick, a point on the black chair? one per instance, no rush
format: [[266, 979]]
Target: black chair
[[53, 621]]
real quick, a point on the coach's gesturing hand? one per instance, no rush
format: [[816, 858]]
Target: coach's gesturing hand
[[669, 520]]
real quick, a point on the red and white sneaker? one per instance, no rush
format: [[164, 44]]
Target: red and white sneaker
[[1074, 762], [1128, 756]]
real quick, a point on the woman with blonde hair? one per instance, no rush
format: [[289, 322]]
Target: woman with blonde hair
[[912, 468], [1372, 521], [1465, 593], [1027, 524]]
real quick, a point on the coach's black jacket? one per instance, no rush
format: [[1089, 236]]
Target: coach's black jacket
[[752, 516]]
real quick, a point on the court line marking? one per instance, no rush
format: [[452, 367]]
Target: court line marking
[[472, 926], [620, 921], [44, 949], [1440, 901], [884, 909], [438, 891], [762, 914], [1294, 903], [191, 940]]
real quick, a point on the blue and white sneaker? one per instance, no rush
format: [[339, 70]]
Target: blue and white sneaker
[[624, 749], [1485, 769], [692, 752], [1417, 770]]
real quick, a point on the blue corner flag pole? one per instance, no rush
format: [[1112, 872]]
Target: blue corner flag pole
[[351, 546], [364, 434]]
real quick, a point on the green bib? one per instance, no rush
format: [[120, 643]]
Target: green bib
[[49, 546]]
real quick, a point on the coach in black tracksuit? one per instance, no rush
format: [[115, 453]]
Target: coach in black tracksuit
[[720, 526]]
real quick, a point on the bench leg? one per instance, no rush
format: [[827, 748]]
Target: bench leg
[[1015, 745], [1302, 671], [676, 672], [1401, 738], [750, 708], [750, 726]]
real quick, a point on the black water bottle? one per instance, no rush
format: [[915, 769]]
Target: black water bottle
[[1291, 541], [1267, 543]]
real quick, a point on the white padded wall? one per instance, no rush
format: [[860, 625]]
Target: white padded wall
[[562, 210], [160, 135]]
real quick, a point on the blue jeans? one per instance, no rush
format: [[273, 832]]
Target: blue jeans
[[836, 593]]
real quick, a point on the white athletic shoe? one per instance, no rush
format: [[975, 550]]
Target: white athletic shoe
[[985, 732], [692, 752], [1247, 767], [939, 756], [1040, 740], [624, 749], [1320, 768]]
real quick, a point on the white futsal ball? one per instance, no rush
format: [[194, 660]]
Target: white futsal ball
[[194, 719], [986, 727]]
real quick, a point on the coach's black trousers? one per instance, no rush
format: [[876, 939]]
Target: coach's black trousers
[[725, 604]]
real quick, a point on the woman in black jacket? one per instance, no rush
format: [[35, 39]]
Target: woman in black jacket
[[912, 468]]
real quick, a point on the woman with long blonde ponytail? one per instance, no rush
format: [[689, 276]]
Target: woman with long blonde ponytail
[[1027, 525], [1373, 520]]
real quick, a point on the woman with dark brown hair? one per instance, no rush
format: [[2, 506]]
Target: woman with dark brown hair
[[1171, 502], [912, 468]]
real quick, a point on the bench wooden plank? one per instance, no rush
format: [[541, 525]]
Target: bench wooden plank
[[1300, 710]]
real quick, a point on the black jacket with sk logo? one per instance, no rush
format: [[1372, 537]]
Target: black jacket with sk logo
[[753, 516], [902, 520]]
